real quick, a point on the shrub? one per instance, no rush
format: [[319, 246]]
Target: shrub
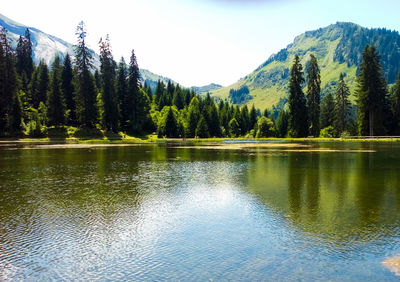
[[327, 132], [265, 128]]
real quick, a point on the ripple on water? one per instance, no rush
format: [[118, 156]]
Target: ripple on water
[[104, 215]]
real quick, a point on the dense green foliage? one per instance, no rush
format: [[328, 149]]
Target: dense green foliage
[[55, 101], [342, 106], [327, 111], [395, 107], [298, 120], [313, 95], [37, 100], [355, 37], [240, 96], [338, 48], [372, 95]]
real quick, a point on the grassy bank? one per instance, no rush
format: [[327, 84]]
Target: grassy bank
[[126, 139]]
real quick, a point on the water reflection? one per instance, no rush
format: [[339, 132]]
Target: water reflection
[[164, 213], [332, 196]]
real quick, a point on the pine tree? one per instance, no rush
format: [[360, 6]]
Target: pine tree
[[371, 95], [253, 117], [67, 89], [135, 111], [8, 86], [244, 120], [24, 62], [237, 116], [202, 128], [282, 124], [297, 102], [395, 106], [313, 95], [42, 84], [177, 99], [110, 115], [171, 125], [214, 126], [170, 89], [327, 111], [86, 109], [55, 101], [234, 128], [342, 106], [122, 93], [158, 93], [97, 79], [193, 118], [16, 115]]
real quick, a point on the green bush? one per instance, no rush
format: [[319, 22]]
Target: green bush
[[345, 134], [265, 128], [327, 132], [35, 129]]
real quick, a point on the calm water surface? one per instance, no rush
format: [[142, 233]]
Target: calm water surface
[[156, 212]]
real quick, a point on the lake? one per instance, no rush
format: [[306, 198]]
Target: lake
[[313, 211]]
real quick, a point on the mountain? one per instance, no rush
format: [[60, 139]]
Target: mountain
[[338, 48], [46, 47], [206, 88], [151, 79]]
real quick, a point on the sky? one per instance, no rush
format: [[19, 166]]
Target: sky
[[197, 42]]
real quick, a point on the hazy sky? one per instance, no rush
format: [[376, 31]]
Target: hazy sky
[[196, 42]]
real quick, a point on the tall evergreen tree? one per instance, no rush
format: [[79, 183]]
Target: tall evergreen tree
[[313, 95], [8, 87], [214, 126], [67, 88], [171, 124], [244, 120], [193, 118], [86, 108], [395, 106], [108, 93], [177, 99], [122, 93], [135, 111], [158, 93], [371, 95], [42, 84], [55, 101], [266, 113], [24, 62], [234, 128], [297, 102], [97, 79], [282, 124], [253, 117], [342, 105], [328, 111], [202, 128], [170, 89]]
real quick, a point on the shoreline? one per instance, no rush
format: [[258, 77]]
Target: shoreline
[[151, 139]]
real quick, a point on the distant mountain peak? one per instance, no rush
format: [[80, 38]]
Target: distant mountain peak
[[45, 47], [338, 48]]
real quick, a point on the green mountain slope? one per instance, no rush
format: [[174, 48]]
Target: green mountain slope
[[337, 47], [206, 88]]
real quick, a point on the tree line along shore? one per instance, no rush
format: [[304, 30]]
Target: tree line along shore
[[72, 98]]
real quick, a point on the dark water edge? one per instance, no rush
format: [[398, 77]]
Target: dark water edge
[[161, 212]]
